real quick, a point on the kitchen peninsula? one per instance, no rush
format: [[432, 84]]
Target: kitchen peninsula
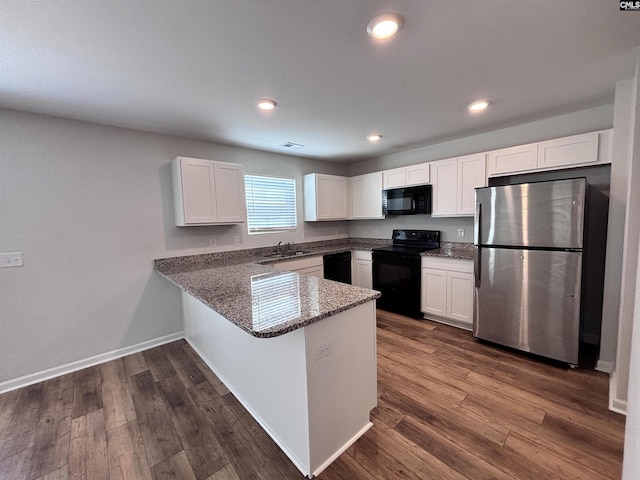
[[298, 352]]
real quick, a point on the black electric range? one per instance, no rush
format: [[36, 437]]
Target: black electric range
[[396, 270]]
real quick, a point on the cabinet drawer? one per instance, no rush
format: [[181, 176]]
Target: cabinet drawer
[[362, 255], [449, 264]]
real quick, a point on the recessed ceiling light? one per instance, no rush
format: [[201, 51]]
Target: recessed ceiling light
[[384, 26], [478, 106], [266, 104], [374, 137]]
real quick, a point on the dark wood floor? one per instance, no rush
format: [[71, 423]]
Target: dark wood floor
[[448, 408]]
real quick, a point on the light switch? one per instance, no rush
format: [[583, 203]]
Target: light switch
[[11, 259]]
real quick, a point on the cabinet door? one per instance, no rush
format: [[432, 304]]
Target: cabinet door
[[514, 159], [434, 292], [445, 187], [575, 150], [394, 178], [316, 271], [324, 197], [417, 174], [229, 191], [363, 274], [359, 199], [460, 297], [471, 174], [198, 191], [339, 197], [374, 195]]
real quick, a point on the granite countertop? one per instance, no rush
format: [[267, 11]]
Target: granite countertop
[[453, 250], [243, 286]]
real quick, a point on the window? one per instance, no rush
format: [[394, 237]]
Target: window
[[271, 204]]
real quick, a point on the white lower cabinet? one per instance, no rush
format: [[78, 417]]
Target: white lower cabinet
[[307, 265], [447, 291], [362, 269]]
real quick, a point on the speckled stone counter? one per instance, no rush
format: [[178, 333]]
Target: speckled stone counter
[[243, 287], [455, 250]]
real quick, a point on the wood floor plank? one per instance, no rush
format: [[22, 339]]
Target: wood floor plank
[[61, 473], [158, 363], [211, 377], [200, 445], [239, 447], [447, 445], [160, 438], [225, 473], [259, 438], [598, 422], [16, 466], [116, 395], [51, 446], [135, 363], [186, 369], [551, 460], [346, 468], [175, 467], [88, 450], [445, 393], [126, 455], [22, 425], [8, 402], [87, 397]]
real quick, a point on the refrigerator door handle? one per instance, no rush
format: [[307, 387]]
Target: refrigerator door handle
[[476, 224], [476, 241], [476, 264]]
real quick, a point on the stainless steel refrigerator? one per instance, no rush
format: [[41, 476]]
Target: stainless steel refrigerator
[[528, 266]]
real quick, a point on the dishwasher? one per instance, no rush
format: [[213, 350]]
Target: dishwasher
[[337, 266]]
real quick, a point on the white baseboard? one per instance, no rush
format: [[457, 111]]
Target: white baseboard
[[606, 367], [343, 449], [617, 405], [86, 362]]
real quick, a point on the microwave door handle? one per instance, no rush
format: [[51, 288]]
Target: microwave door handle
[[413, 202]]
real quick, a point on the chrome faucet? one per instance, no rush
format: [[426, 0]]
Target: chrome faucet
[[278, 247]]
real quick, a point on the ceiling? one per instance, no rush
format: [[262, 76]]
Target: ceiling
[[196, 68]]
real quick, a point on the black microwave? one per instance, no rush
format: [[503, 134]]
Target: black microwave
[[407, 201]]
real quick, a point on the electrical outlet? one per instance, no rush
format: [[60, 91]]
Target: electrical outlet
[[236, 240], [11, 259], [323, 350], [212, 241], [460, 232]]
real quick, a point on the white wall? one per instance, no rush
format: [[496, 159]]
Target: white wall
[[627, 292], [90, 207]]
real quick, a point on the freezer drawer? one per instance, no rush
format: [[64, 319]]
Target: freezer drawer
[[529, 300]]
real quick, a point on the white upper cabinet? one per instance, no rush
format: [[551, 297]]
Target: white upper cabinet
[[562, 152], [366, 196], [472, 173], [207, 192], [406, 176], [230, 195], [577, 150], [325, 197], [454, 182]]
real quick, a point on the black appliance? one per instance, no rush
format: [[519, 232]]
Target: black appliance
[[396, 270], [337, 266], [407, 201]]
